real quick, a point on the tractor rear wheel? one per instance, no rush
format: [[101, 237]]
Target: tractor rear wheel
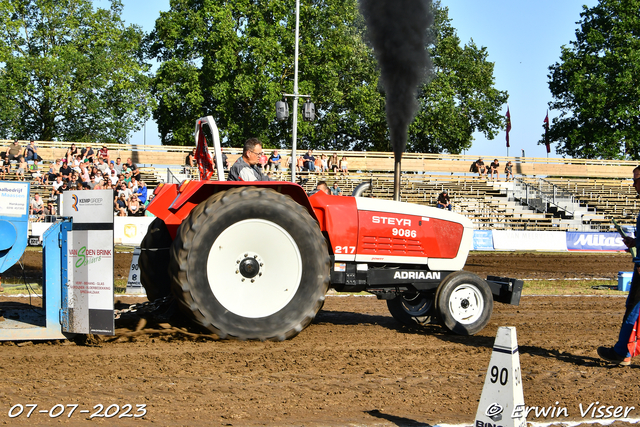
[[154, 260], [251, 264], [464, 303], [411, 309]]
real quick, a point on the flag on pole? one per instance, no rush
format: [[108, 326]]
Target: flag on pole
[[508, 125], [546, 132], [205, 165]]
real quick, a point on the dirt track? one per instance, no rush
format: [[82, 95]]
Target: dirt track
[[353, 366]]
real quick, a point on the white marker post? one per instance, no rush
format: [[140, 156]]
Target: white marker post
[[502, 400], [134, 286]]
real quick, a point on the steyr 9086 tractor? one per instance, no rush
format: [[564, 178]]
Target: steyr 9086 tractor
[[254, 260]]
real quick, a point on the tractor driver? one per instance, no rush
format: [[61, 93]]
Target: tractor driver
[[246, 167]]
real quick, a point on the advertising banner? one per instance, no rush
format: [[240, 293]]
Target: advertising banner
[[482, 240], [130, 230], [87, 299], [14, 198], [512, 240], [592, 241]]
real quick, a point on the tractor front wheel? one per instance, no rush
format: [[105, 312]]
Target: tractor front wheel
[[411, 309], [464, 303], [250, 264]]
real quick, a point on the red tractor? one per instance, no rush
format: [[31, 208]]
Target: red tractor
[[254, 260]]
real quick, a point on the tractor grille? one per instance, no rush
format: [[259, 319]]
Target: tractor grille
[[392, 246]]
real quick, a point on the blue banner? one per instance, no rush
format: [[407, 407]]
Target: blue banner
[[482, 240], [591, 241]]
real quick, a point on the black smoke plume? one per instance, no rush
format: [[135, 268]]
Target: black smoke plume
[[398, 33]]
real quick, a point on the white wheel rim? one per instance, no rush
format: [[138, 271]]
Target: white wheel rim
[[280, 269], [466, 304]]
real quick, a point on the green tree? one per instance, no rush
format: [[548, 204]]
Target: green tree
[[596, 86], [234, 59], [70, 72], [460, 97]]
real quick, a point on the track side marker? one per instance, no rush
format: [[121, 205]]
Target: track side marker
[[502, 399]]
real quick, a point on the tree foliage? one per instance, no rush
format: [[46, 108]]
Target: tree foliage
[[70, 72], [234, 59], [596, 84]]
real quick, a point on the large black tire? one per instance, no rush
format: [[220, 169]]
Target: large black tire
[[412, 309], [251, 264], [154, 260], [464, 303]]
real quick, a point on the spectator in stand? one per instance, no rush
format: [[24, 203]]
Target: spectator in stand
[[120, 205], [13, 151], [103, 153], [65, 170], [36, 176], [344, 166], [73, 181], [87, 153], [118, 166], [334, 163], [225, 162], [493, 169], [142, 193], [318, 164], [443, 201], [274, 161], [56, 185], [63, 188], [263, 161], [135, 172], [102, 165], [124, 190], [322, 186], [5, 168], [508, 170], [482, 171], [36, 207], [246, 167], [22, 168], [84, 173], [31, 152], [76, 162], [309, 161], [72, 151], [300, 164], [133, 207], [92, 182], [324, 162], [50, 211], [190, 160], [335, 190]]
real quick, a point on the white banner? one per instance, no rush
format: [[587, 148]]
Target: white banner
[[130, 230], [14, 198], [508, 240]]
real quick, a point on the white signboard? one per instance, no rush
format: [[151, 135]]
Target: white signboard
[[134, 286], [89, 294], [14, 198]]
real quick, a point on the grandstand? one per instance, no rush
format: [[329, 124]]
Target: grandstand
[[547, 194]]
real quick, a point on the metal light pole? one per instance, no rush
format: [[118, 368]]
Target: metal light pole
[[294, 161]]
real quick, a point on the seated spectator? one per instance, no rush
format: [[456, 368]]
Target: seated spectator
[[480, 168], [56, 185], [263, 161], [309, 161], [190, 160], [65, 170], [275, 161], [50, 212], [133, 207], [5, 168], [493, 169], [37, 177], [124, 190], [120, 205], [142, 193], [118, 166], [443, 201], [299, 164], [225, 162], [344, 166], [31, 153], [22, 168], [13, 151], [335, 190], [318, 165], [102, 165], [54, 170], [508, 171], [334, 163], [88, 154], [72, 151], [36, 207], [324, 162], [135, 172], [103, 153]]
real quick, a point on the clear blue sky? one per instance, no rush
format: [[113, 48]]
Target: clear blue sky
[[523, 38]]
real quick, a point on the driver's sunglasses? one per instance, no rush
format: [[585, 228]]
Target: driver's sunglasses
[[258, 154]]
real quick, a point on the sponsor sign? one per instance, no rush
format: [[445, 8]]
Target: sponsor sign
[[482, 240], [511, 240], [14, 198], [134, 286], [586, 241]]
